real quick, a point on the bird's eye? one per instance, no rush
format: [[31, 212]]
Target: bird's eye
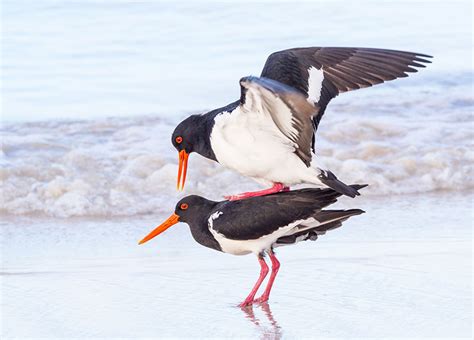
[[184, 206], [179, 139]]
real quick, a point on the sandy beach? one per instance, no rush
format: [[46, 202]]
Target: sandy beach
[[403, 269]]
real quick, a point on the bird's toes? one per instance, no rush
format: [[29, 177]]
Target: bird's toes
[[233, 197], [261, 299], [245, 303]]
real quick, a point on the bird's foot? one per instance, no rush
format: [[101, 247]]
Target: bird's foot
[[261, 299], [277, 187], [238, 197], [246, 302]]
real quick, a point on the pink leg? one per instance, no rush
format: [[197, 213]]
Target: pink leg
[[277, 187], [275, 267], [263, 274]]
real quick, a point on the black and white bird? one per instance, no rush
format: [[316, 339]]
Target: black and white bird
[[257, 225], [269, 133]]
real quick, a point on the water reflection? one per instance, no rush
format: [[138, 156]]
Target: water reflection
[[269, 328]]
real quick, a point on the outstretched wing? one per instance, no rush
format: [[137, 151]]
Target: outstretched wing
[[288, 108], [321, 73]]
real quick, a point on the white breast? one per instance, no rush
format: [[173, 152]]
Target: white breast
[[252, 145]]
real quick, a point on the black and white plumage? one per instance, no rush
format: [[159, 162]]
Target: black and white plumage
[[321, 73], [269, 134], [258, 224]]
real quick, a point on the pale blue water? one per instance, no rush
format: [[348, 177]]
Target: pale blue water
[[86, 59], [402, 270]]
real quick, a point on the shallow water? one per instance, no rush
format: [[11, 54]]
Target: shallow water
[[403, 269]]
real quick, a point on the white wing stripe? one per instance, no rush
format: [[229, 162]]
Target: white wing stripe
[[315, 83]]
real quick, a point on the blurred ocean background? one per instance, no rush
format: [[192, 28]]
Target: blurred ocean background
[[90, 93]]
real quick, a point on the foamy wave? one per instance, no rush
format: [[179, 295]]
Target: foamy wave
[[125, 166]]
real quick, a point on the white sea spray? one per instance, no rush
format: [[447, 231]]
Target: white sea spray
[[127, 166]]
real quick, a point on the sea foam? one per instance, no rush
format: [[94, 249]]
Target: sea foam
[[127, 166]]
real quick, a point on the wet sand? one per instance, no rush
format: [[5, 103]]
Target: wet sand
[[403, 269]]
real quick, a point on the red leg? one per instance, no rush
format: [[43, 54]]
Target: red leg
[[277, 187], [263, 274], [275, 267]]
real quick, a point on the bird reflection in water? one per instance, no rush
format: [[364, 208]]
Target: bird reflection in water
[[270, 331]]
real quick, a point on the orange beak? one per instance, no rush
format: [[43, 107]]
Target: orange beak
[[182, 169], [172, 220]]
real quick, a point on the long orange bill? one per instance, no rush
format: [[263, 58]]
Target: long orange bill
[[172, 220], [182, 169]]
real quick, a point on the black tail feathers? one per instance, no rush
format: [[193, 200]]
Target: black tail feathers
[[328, 178]]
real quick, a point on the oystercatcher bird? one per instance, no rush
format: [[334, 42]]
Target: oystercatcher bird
[[269, 134], [257, 225]]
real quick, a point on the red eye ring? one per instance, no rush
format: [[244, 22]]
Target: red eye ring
[[184, 206], [179, 139]]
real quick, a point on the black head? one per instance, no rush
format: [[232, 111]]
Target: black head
[[192, 134], [193, 210], [184, 135]]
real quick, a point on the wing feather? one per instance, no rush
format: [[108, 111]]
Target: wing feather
[[345, 69], [289, 110], [271, 212]]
